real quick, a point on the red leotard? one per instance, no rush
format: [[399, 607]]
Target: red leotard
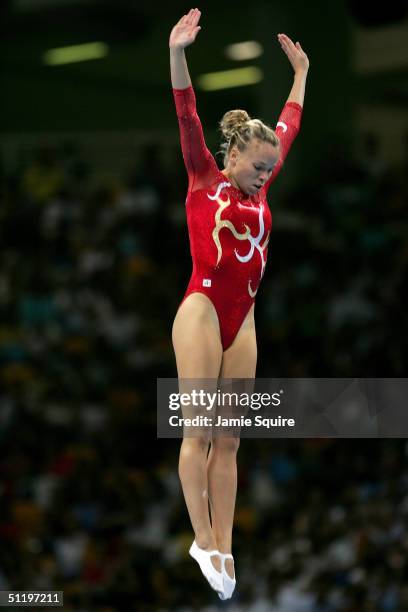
[[228, 229]]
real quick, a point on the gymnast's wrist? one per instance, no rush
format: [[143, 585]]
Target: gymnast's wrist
[[301, 73]]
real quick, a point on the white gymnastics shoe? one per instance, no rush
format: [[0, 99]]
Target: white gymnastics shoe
[[203, 558], [228, 582]]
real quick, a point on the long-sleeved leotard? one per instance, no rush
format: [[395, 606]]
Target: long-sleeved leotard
[[228, 229]]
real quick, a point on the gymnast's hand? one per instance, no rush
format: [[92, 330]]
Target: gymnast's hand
[[295, 53], [185, 31]]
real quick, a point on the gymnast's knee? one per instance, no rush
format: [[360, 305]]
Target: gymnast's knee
[[225, 444], [195, 444]]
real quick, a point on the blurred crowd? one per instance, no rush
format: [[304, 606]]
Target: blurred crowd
[[91, 274]]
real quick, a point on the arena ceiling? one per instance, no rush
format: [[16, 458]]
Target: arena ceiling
[[128, 87]]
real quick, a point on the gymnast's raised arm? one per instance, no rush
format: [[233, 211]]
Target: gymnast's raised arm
[[300, 65], [199, 162], [182, 35], [289, 121]]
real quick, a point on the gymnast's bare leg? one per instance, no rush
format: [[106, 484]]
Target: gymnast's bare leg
[[239, 361], [198, 350]]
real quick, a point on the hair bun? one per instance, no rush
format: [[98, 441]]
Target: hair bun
[[232, 121]]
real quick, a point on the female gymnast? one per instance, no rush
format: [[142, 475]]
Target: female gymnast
[[214, 330]]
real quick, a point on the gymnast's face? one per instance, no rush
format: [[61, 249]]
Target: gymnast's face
[[250, 169]]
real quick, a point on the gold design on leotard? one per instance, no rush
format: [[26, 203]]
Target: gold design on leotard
[[253, 241], [220, 223], [263, 247], [251, 293]]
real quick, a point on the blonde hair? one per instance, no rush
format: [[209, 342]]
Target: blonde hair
[[238, 129]]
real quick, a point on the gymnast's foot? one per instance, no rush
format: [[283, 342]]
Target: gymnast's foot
[[228, 575], [209, 561]]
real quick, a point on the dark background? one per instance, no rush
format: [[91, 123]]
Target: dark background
[[95, 260]]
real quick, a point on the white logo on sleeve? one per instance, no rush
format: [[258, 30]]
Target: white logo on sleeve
[[282, 125], [207, 282]]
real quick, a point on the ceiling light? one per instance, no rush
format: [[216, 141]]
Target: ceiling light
[[230, 78], [75, 53], [249, 49]]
